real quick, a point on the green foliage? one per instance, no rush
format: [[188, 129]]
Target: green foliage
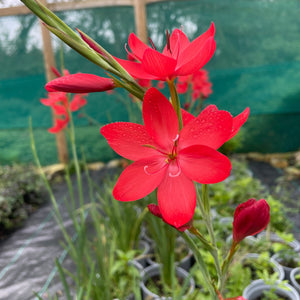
[[122, 218], [278, 221], [238, 188], [271, 293], [238, 278], [21, 192], [233, 144]]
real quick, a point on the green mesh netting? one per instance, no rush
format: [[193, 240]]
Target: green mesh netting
[[256, 64]]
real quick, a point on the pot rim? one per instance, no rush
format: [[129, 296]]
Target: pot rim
[[155, 269]]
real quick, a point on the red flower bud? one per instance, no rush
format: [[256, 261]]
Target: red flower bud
[[250, 218], [80, 83], [90, 42]]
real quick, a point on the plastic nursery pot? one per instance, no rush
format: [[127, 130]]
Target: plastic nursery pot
[[285, 265], [294, 281], [255, 291], [275, 238], [275, 266], [146, 249], [145, 237], [153, 272]]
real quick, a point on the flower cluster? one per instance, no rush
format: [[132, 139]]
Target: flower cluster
[[59, 102], [197, 82], [173, 149]]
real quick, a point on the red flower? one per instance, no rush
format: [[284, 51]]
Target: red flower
[[60, 104], [169, 160], [199, 82], [154, 210], [250, 218], [80, 83], [180, 56]]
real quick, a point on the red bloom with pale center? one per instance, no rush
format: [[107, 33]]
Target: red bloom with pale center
[[169, 160], [180, 56], [250, 218]]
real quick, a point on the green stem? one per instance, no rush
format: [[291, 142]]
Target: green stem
[[57, 214], [207, 245], [202, 264], [76, 164], [136, 226], [226, 264], [205, 209], [175, 102]]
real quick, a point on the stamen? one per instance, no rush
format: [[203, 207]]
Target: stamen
[[168, 42], [153, 147], [176, 138], [149, 146], [152, 44]]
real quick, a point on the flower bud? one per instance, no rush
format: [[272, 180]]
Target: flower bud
[[80, 83], [250, 218]]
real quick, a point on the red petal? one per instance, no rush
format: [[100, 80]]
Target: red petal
[[135, 69], [203, 164], [134, 183], [178, 42], [55, 72], [186, 117], [238, 121], [160, 119], [59, 125], [158, 64], [137, 46], [80, 83], [77, 102], [176, 199], [128, 140], [195, 57], [211, 128], [60, 110]]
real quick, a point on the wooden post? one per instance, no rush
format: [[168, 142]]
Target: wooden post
[[49, 61], [140, 17]]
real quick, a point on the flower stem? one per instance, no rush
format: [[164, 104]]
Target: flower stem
[[205, 210], [201, 264], [226, 263], [175, 101], [56, 213], [76, 164]]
